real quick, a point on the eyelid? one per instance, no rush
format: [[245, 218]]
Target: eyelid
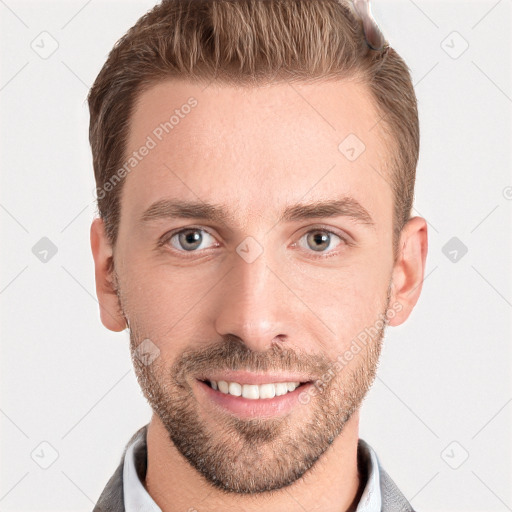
[[167, 237], [322, 255], [331, 229]]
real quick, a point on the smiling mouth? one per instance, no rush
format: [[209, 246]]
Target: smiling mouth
[[254, 391]]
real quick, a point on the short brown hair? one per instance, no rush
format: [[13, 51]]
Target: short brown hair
[[250, 42]]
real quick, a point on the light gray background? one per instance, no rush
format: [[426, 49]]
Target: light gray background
[[444, 385]]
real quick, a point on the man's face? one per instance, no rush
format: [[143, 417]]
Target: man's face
[[255, 292]]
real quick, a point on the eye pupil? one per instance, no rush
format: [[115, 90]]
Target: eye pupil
[[320, 237], [192, 237]]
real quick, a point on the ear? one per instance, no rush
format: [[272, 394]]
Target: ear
[[110, 309], [409, 268]]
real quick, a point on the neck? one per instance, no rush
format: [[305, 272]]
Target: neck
[[333, 484]]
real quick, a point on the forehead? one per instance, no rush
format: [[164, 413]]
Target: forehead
[[257, 147]]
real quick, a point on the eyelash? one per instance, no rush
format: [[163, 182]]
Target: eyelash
[[344, 240]]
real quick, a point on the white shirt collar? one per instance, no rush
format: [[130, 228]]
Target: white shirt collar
[[371, 499], [137, 499]]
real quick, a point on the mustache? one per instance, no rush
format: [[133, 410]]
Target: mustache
[[231, 353]]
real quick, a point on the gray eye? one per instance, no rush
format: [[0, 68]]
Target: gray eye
[[189, 239], [318, 240]]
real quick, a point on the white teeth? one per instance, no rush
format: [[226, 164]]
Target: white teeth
[[223, 386], [281, 388], [250, 391], [235, 389], [254, 391], [268, 391]]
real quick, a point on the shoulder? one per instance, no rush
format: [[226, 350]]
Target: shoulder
[[112, 498], [392, 497]]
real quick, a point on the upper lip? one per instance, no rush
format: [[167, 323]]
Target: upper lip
[[244, 377]]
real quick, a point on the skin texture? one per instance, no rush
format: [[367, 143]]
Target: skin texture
[[256, 151]]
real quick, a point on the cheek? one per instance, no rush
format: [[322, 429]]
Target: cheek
[[349, 301], [164, 302]]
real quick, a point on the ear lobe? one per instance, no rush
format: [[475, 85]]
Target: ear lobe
[[110, 310], [409, 268]]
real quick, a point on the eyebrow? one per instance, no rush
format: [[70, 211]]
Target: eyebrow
[[174, 208]]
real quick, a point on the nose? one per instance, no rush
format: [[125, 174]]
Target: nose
[[256, 305]]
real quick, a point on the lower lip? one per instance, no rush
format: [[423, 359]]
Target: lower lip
[[250, 408]]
